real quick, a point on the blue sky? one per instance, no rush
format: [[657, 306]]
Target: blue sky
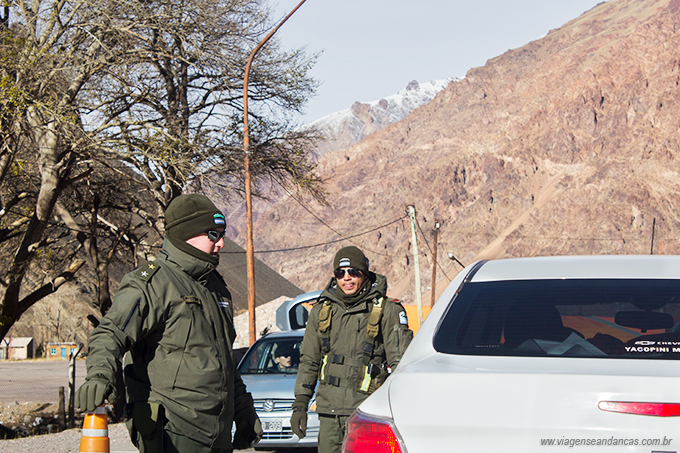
[[374, 48]]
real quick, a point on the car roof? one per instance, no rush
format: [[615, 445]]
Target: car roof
[[578, 267], [283, 312], [285, 334]]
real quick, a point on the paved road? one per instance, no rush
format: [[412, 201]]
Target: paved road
[[36, 380]]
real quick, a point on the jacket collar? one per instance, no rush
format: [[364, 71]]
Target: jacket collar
[[196, 268], [378, 288]]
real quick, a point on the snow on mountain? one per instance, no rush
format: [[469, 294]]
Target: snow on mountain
[[347, 127]]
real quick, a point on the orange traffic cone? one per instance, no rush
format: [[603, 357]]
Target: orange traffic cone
[[95, 432]]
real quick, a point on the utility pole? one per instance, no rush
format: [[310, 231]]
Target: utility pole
[[416, 263], [250, 254], [433, 299]]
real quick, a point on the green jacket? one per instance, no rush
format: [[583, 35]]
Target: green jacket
[[340, 370], [175, 317]]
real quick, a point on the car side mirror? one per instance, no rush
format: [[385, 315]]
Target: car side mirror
[[644, 320]]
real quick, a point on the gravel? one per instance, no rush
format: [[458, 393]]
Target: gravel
[[67, 442]]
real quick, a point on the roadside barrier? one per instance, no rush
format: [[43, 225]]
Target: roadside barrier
[[95, 438]]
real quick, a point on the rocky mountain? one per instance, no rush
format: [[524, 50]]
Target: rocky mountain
[[567, 145]]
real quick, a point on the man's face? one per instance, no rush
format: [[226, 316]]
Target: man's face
[[284, 361], [205, 243], [351, 280]]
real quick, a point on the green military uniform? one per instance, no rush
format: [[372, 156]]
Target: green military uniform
[[336, 358], [174, 317]]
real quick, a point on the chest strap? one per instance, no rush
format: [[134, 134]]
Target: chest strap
[[368, 379], [372, 330], [325, 327]]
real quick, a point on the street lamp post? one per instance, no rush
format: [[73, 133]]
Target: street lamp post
[[250, 256]]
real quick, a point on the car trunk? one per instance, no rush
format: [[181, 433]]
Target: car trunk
[[450, 402]]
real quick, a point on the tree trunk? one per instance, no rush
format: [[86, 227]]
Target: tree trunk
[[53, 171]]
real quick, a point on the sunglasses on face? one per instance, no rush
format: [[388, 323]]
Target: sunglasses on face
[[214, 235], [353, 272]]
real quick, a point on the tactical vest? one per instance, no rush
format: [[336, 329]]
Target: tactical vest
[[372, 375]]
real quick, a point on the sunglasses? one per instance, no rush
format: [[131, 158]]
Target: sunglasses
[[353, 272], [214, 235]]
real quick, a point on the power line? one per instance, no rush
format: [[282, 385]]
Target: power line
[[347, 238], [323, 222], [302, 247]]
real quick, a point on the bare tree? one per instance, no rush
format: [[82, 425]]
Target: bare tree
[[173, 109], [56, 318], [38, 152], [111, 109]]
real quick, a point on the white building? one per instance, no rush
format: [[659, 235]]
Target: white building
[[16, 348]]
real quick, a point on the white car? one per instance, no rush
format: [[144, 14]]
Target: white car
[[538, 355]]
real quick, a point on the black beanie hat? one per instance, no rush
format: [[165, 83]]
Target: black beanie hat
[[188, 216], [351, 257]]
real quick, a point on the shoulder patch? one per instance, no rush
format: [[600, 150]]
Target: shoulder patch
[[403, 320], [146, 272]]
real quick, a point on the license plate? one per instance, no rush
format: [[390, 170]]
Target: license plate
[[275, 425]]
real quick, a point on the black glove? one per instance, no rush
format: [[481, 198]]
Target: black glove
[[248, 429], [93, 392], [298, 421]]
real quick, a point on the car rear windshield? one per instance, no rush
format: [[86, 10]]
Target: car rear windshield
[[564, 318], [272, 356]]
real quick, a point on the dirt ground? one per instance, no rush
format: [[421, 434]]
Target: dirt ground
[[29, 395], [28, 419]]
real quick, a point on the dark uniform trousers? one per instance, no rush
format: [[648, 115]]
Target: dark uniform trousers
[[332, 430], [161, 436], [173, 442]]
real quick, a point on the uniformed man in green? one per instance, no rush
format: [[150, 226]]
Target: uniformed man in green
[[174, 318], [355, 336]]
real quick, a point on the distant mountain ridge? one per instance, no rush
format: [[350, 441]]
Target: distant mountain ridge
[[348, 127]]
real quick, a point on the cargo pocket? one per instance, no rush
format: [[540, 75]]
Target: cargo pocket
[[146, 427]]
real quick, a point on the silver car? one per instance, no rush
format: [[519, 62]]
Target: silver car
[[269, 369], [538, 355]]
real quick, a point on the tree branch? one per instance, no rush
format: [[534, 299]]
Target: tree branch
[[49, 288]]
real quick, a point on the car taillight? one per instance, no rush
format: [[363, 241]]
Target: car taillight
[[655, 409], [371, 434]]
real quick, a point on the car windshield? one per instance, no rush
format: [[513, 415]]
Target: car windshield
[[615, 318], [272, 356]]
